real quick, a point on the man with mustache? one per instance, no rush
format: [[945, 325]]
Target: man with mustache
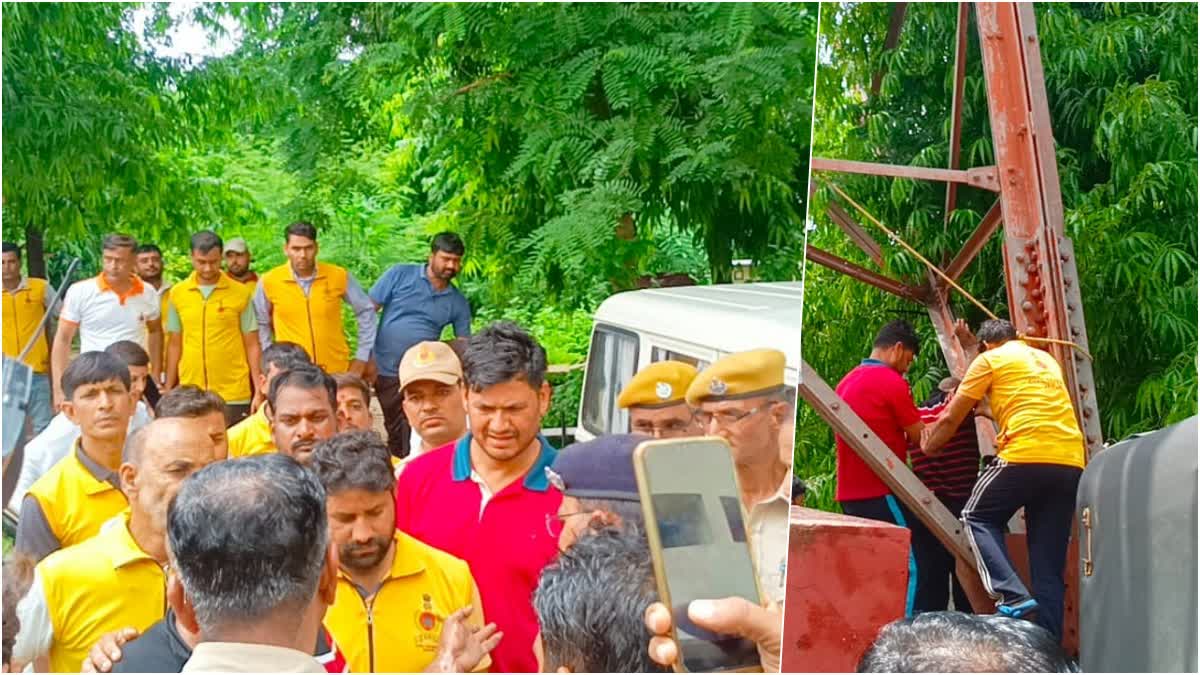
[[252, 436], [416, 302], [302, 409], [386, 577], [431, 384], [237, 262]]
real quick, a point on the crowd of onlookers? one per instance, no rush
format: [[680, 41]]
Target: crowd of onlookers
[[204, 489], [210, 493]]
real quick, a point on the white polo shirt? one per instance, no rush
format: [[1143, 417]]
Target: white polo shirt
[[104, 317]]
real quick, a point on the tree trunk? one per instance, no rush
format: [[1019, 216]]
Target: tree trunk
[[35, 252]]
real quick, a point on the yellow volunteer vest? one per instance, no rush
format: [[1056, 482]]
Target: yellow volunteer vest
[[214, 353], [75, 502], [313, 321], [164, 297], [398, 629], [104, 584], [23, 309], [1030, 401], [251, 436]]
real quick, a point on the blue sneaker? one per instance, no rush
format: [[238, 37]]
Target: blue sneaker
[[1018, 610]]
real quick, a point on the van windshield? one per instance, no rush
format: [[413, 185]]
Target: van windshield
[[612, 361]]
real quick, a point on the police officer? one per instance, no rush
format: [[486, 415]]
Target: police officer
[[655, 400], [599, 488], [741, 398]]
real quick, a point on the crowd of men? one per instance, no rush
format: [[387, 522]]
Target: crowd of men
[[224, 504], [1037, 466]]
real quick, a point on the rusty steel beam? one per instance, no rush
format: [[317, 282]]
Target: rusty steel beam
[[956, 104], [857, 234], [983, 232], [1036, 254], [983, 177], [890, 42], [1079, 369], [838, 264], [890, 469]]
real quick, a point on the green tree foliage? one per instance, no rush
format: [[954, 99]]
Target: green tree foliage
[[1122, 87], [94, 126], [571, 144]]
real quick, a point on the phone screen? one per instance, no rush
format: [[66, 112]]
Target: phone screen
[[699, 542]]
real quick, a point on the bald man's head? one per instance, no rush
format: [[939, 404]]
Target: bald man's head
[[157, 459]]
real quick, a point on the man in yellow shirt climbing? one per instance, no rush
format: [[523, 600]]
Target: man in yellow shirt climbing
[[394, 593], [301, 301], [1039, 459], [212, 332]]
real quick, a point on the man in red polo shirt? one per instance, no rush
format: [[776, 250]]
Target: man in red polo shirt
[[486, 498], [877, 392]]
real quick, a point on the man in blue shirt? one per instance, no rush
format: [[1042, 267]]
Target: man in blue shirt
[[416, 302]]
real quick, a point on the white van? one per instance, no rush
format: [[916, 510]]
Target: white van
[[695, 324]]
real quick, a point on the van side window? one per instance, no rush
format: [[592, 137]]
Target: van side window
[[612, 361], [660, 354]]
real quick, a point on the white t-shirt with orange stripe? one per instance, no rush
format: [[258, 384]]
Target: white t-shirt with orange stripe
[[104, 317]]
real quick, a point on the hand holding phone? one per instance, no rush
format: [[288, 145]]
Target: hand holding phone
[[736, 616], [695, 526]]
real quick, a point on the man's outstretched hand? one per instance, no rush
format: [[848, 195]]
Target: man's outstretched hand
[[732, 616], [965, 337], [107, 652], [462, 646]]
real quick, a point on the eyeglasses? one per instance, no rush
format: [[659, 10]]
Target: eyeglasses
[[671, 428], [726, 418], [554, 522]]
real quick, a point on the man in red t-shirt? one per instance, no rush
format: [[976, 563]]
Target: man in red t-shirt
[[877, 392], [486, 498]]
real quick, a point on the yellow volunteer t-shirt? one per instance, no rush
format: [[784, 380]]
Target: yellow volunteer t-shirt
[[1030, 401], [251, 436], [75, 502], [397, 629], [104, 584]]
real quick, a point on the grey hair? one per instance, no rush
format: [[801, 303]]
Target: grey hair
[[590, 602], [248, 539], [996, 331], [954, 642]]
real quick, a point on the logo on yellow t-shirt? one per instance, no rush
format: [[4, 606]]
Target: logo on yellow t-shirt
[[428, 622]]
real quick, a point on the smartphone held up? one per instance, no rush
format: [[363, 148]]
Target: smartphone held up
[[696, 530]]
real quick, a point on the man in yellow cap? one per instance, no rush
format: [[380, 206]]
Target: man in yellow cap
[[431, 390], [741, 399], [655, 400]]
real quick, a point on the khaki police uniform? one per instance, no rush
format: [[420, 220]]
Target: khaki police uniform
[[758, 372]]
